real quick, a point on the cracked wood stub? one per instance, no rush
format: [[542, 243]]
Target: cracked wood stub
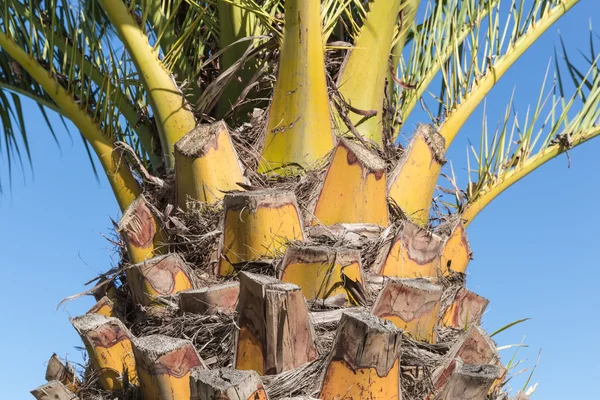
[[221, 298], [163, 365], [206, 165], [108, 343], [53, 390], [323, 272], [466, 309], [354, 189], [469, 382], [226, 384], [409, 252], [412, 305], [364, 361], [161, 276], [62, 372], [275, 333], [258, 225], [475, 347]]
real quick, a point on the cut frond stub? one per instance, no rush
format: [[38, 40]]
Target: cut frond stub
[[226, 384], [410, 252], [323, 272], [466, 309], [210, 300], [412, 182], [412, 305], [161, 276], [53, 390], [164, 365], [140, 230], [206, 165], [456, 252], [469, 382], [275, 333], [108, 343], [354, 190], [257, 226], [104, 306], [475, 347], [365, 360], [299, 131], [62, 372]]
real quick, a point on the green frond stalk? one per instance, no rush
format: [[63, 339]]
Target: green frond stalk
[[483, 85], [430, 52], [235, 23], [403, 27], [475, 207], [122, 181], [362, 81], [171, 111], [299, 131]]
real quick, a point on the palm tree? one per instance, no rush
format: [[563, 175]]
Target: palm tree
[[275, 241]]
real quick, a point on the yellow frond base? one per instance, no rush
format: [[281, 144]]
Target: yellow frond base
[[206, 165], [466, 309], [456, 253], [412, 252], [354, 190], [161, 276], [362, 81], [412, 305], [164, 364], [412, 182], [322, 272], [361, 383], [104, 306], [108, 343], [258, 225], [249, 352], [299, 131], [364, 360]]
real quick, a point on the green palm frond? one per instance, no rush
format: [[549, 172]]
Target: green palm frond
[[471, 44], [77, 52], [521, 144]]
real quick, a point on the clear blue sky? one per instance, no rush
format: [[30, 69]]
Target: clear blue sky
[[534, 246]]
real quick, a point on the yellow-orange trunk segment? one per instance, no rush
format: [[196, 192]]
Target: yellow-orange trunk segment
[[354, 190], [320, 271], [104, 306], [364, 360], [108, 343], [362, 80], [206, 164], [412, 305], [412, 182], [163, 365], [299, 131], [466, 309], [162, 276], [258, 225], [456, 253], [410, 252], [226, 384], [344, 382]]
